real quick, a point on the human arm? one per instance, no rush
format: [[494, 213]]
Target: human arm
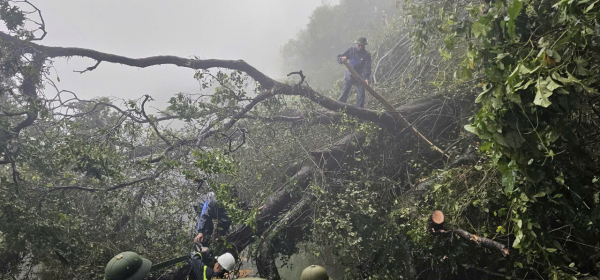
[[200, 269], [342, 57]]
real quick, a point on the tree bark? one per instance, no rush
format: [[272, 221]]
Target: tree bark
[[265, 262]]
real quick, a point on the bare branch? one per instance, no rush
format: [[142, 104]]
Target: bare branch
[[41, 24], [115, 187], [146, 98], [489, 272], [236, 117], [91, 68], [302, 77]]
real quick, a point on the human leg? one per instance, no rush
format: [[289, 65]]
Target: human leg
[[360, 95], [345, 91]]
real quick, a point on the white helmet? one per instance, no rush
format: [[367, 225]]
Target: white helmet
[[227, 261]]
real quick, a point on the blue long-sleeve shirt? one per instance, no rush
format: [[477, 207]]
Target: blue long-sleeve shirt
[[207, 202], [360, 60]]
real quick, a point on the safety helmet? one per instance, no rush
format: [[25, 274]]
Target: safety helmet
[[314, 272], [127, 266], [361, 40], [227, 261]]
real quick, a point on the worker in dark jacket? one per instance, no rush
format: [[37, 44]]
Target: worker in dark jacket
[[210, 210], [360, 59], [200, 271]]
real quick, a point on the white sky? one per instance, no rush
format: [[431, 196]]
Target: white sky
[[253, 30]]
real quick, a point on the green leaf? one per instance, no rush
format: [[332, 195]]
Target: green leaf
[[445, 55], [544, 91], [478, 30], [516, 243], [486, 146], [449, 41], [523, 197], [590, 7], [540, 194], [500, 56], [499, 138], [514, 139], [551, 250], [470, 128], [482, 94], [508, 181], [514, 10]]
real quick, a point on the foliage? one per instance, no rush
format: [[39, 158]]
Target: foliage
[[536, 62]]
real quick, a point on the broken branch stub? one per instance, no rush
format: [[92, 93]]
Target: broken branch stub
[[437, 225], [437, 217]]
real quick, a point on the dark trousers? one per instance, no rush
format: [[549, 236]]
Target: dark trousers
[[360, 92]]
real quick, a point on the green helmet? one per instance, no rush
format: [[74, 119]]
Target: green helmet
[[127, 266], [362, 41], [314, 272]]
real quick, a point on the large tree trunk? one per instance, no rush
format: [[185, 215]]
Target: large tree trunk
[[265, 262], [327, 158]]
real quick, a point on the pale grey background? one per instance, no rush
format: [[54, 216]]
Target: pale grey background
[[253, 30]]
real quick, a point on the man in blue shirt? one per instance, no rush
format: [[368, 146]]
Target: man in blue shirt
[[360, 59]]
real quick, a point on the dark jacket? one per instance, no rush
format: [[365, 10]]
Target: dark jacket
[[207, 207], [209, 211], [201, 271], [360, 60]]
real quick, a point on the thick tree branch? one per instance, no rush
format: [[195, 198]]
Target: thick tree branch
[[53, 52], [265, 262], [13, 114]]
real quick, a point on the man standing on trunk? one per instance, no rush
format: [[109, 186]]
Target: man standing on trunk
[[360, 59]]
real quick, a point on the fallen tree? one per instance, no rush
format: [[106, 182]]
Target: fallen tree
[[422, 112]]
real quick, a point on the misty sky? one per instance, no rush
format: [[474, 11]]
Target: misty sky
[[253, 30]]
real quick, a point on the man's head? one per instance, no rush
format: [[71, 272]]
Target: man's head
[[314, 272], [361, 42], [127, 266], [224, 262]]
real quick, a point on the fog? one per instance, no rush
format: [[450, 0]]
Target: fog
[[253, 30]]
